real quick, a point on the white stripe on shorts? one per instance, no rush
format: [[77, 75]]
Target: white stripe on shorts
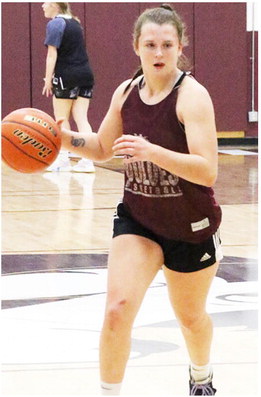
[[217, 245]]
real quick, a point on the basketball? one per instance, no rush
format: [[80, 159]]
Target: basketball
[[31, 140]]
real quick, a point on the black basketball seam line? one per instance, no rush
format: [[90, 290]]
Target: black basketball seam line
[[25, 125], [28, 155], [19, 123]]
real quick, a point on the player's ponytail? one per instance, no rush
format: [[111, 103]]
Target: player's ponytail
[[167, 7]]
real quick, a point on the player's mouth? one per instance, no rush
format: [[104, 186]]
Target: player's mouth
[[159, 65]]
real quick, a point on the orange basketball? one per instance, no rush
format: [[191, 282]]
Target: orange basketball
[[31, 140]]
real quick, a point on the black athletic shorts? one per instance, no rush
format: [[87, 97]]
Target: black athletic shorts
[[62, 92], [178, 255]]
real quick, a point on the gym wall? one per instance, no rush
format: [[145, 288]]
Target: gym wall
[[219, 50]]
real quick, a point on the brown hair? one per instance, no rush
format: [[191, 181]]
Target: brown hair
[[161, 15], [66, 9]]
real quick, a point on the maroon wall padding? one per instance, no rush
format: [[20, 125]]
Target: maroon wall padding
[[221, 62], [109, 42], [16, 60], [219, 48]]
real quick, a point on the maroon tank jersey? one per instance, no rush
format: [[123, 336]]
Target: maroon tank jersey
[[162, 202]]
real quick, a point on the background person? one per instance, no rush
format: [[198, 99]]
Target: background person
[[68, 77]]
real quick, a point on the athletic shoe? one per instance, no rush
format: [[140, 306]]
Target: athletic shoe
[[84, 165], [74, 155], [201, 389], [60, 165]]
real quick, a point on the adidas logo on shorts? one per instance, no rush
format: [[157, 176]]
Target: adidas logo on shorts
[[205, 257]]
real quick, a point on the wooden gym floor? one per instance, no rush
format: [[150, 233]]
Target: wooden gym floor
[[56, 230]]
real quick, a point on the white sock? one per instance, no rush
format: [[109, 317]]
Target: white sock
[[201, 373], [110, 389]]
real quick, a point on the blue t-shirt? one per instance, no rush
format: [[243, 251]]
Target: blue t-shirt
[[54, 32]]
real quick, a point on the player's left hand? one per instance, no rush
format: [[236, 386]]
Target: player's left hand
[[134, 148], [47, 89]]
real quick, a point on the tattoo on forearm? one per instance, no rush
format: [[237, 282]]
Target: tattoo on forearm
[[77, 142]]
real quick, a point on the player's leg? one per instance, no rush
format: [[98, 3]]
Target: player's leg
[[62, 109], [188, 294], [133, 263], [80, 114]]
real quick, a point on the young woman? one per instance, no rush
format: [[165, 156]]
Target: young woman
[[68, 76], [163, 122]]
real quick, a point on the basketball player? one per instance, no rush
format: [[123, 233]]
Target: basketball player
[[68, 76], [163, 122]]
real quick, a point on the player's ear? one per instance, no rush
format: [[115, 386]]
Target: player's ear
[[180, 49], [136, 48]]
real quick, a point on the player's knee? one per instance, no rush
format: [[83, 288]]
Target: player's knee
[[193, 321], [116, 315]]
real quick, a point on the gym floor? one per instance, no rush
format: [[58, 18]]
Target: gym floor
[[56, 230]]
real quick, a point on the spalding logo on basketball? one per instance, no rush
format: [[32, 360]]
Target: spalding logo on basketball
[[31, 140]]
